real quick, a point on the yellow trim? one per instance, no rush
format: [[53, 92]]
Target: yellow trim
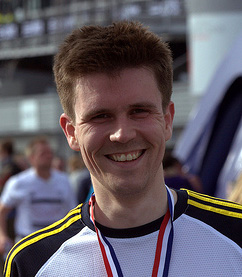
[[37, 238], [73, 211], [215, 200], [213, 209]]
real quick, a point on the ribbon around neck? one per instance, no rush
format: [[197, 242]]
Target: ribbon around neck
[[163, 245]]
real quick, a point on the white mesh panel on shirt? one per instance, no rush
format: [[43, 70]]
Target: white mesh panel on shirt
[[198, 250]]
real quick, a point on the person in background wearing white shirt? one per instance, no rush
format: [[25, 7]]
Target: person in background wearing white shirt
[[40, 194]]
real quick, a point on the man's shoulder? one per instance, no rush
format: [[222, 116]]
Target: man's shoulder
[[223, 215], [214, 205], [20, 179], [23, 175], [33, 251]]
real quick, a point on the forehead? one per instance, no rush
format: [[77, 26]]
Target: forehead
[[130, 84]]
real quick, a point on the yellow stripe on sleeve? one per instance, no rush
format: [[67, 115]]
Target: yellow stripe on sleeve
[[42, 235], [214, 200], [214, 209]]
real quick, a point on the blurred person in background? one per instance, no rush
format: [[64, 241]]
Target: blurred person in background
[[176, 177], [40, 194], [8, 163], [9, 166], [79, 177], [59, 163]]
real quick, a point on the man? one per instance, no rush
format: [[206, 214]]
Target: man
[[8, 168], [40, 195], [8, 165], [115, 86]]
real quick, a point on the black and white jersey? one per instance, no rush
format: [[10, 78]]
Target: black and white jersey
[[207, 242]]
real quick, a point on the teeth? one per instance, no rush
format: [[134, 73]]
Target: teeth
[[129, 157], [122, 158], [125, 157]]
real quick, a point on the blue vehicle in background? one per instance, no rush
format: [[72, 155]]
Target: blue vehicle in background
[[211, 144]]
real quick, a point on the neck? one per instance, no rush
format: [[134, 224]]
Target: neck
[[43, 173], [123, 213]]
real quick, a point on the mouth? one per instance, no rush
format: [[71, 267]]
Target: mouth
[[126, 157]]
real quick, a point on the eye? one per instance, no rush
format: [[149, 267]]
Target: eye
[[100, 117], [140, 112]]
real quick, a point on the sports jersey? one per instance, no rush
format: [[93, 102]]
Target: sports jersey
[[207, 242], [38, 202]]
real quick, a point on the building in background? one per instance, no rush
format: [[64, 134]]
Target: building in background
[[211, 143], [200, 34], [30, 32]]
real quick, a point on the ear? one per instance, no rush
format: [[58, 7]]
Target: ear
[[69, 130], [169, 116]]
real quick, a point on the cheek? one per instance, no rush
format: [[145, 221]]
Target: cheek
[[156, 131], [89, 142]]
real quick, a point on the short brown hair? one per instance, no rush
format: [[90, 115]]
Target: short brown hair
[[98, 49]]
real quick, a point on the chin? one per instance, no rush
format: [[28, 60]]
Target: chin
[[127, 189]]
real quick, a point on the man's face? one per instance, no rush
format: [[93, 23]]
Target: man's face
[[42, 156], [121, 130]]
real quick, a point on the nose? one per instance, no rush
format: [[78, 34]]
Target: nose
[[123, 131]]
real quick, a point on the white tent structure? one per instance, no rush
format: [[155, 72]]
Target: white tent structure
[[211, 144]]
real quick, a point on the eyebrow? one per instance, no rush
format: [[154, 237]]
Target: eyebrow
[[143, 105]]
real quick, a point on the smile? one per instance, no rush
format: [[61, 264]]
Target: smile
[[126, 157]]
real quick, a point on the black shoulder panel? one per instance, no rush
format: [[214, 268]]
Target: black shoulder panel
[[222, 215], [29, 254]]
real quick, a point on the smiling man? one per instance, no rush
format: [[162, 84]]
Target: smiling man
[[115, 87], [121, 129]]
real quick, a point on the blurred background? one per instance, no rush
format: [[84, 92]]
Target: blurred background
[[205, 38]]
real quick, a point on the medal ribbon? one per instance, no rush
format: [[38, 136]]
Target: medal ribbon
[[163, 246]]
